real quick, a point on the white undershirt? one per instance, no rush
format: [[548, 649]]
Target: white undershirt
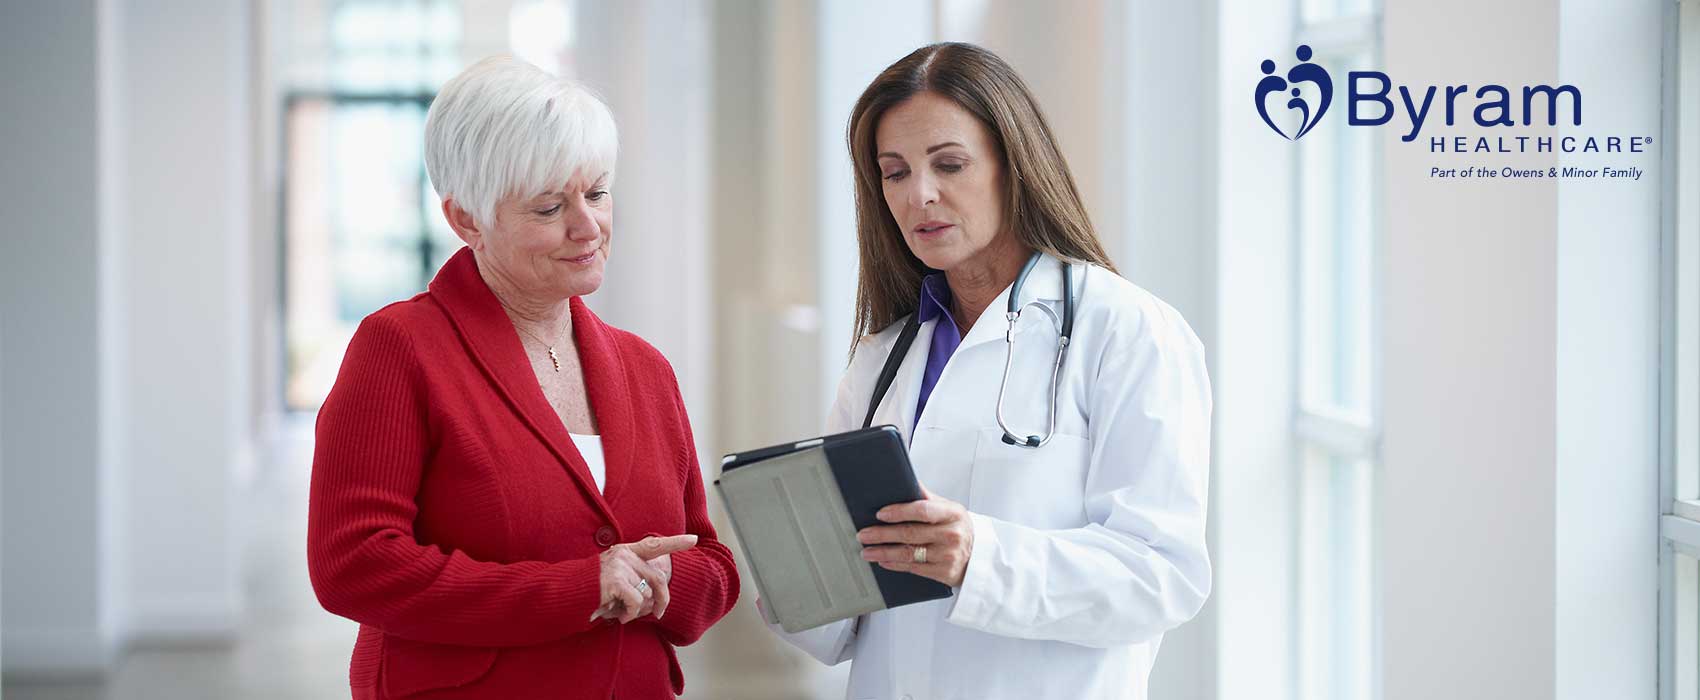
[[590, 447]]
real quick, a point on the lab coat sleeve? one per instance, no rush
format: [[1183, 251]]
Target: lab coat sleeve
[[831, 643], [1139, 567], [835, 642]]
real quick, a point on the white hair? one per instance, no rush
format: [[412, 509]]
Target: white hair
[[505, 128]]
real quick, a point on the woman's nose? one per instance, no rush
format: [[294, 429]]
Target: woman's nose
[[923, 191], [581, 222]]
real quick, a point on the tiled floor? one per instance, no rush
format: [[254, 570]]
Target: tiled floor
[[290, 649]]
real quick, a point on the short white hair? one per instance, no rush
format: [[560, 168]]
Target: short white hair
[[505, 128]]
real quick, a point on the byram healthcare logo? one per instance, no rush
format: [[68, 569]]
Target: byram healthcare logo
[[1372, 99], [1304, 72]]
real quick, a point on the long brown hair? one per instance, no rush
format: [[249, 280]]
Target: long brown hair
[[1042, 204]]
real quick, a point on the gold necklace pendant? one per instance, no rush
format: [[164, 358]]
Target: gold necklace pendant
[[554, 359]]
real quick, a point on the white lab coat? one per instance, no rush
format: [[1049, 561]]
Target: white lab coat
[[1086, 550]]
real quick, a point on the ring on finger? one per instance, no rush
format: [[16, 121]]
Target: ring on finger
[[920, 554], [643, 586]]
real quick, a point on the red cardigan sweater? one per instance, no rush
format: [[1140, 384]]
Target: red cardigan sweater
[[452, 517]]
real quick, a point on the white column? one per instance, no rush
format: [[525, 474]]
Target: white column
[[650, 61], [764, 254], [1251, 347], [1163, 101], [1156, 86], [59, 567], [187, 130], [1606, 620]]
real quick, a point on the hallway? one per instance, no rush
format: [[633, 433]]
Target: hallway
[[291, 649]]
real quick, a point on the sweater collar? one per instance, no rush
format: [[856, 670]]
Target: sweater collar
[[494, 344]]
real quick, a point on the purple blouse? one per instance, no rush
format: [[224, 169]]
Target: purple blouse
[[935, 303]]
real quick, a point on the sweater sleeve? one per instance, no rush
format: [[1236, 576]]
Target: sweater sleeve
[[704, 586], [372, 442]]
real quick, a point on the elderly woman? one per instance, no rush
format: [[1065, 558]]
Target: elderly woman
[[1059, 415], [505, 491]]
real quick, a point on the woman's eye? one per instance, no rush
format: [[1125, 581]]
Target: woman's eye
[[950, 167], [597, 195], [895, 175], [550, 211]]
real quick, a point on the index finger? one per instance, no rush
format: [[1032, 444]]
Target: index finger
[[652, 547]]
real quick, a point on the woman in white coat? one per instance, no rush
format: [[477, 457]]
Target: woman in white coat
[[1072, 552]]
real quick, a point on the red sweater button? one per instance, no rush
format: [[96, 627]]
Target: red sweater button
[[605, 536]]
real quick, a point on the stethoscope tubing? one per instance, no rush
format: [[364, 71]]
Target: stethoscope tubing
[[1012, 315]]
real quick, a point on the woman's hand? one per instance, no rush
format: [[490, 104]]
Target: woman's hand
[[626, 566], [934, 530], [617, 608]]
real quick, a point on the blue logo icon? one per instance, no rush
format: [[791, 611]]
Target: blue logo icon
[[1304, 72]]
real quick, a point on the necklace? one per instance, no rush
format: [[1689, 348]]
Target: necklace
[[553, 359]]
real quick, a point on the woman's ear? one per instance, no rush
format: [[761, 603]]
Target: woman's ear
[[463, 224]]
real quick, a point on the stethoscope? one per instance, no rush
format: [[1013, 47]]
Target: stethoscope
[[893, 360]]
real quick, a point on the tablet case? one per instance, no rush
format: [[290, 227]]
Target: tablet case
[[796, 508]]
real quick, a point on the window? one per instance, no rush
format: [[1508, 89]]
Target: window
[[1336, 417], [1679, 595], [361, 224]]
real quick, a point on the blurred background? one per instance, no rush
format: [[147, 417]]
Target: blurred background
[[1457, 428]]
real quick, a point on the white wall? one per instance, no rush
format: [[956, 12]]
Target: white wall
[[1607, 508], [1467, 545], [1519, 547], [126, 304]]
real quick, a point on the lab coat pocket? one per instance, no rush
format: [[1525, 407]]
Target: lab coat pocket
[[1041, 487]]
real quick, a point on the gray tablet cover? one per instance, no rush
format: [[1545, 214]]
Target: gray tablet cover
[[796, 508]]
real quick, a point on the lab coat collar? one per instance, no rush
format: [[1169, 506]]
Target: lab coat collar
[[1043, 285]]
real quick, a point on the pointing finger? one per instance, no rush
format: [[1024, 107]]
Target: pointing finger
[[652, 547]]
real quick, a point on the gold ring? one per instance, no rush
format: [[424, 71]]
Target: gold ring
[[920, 555]]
